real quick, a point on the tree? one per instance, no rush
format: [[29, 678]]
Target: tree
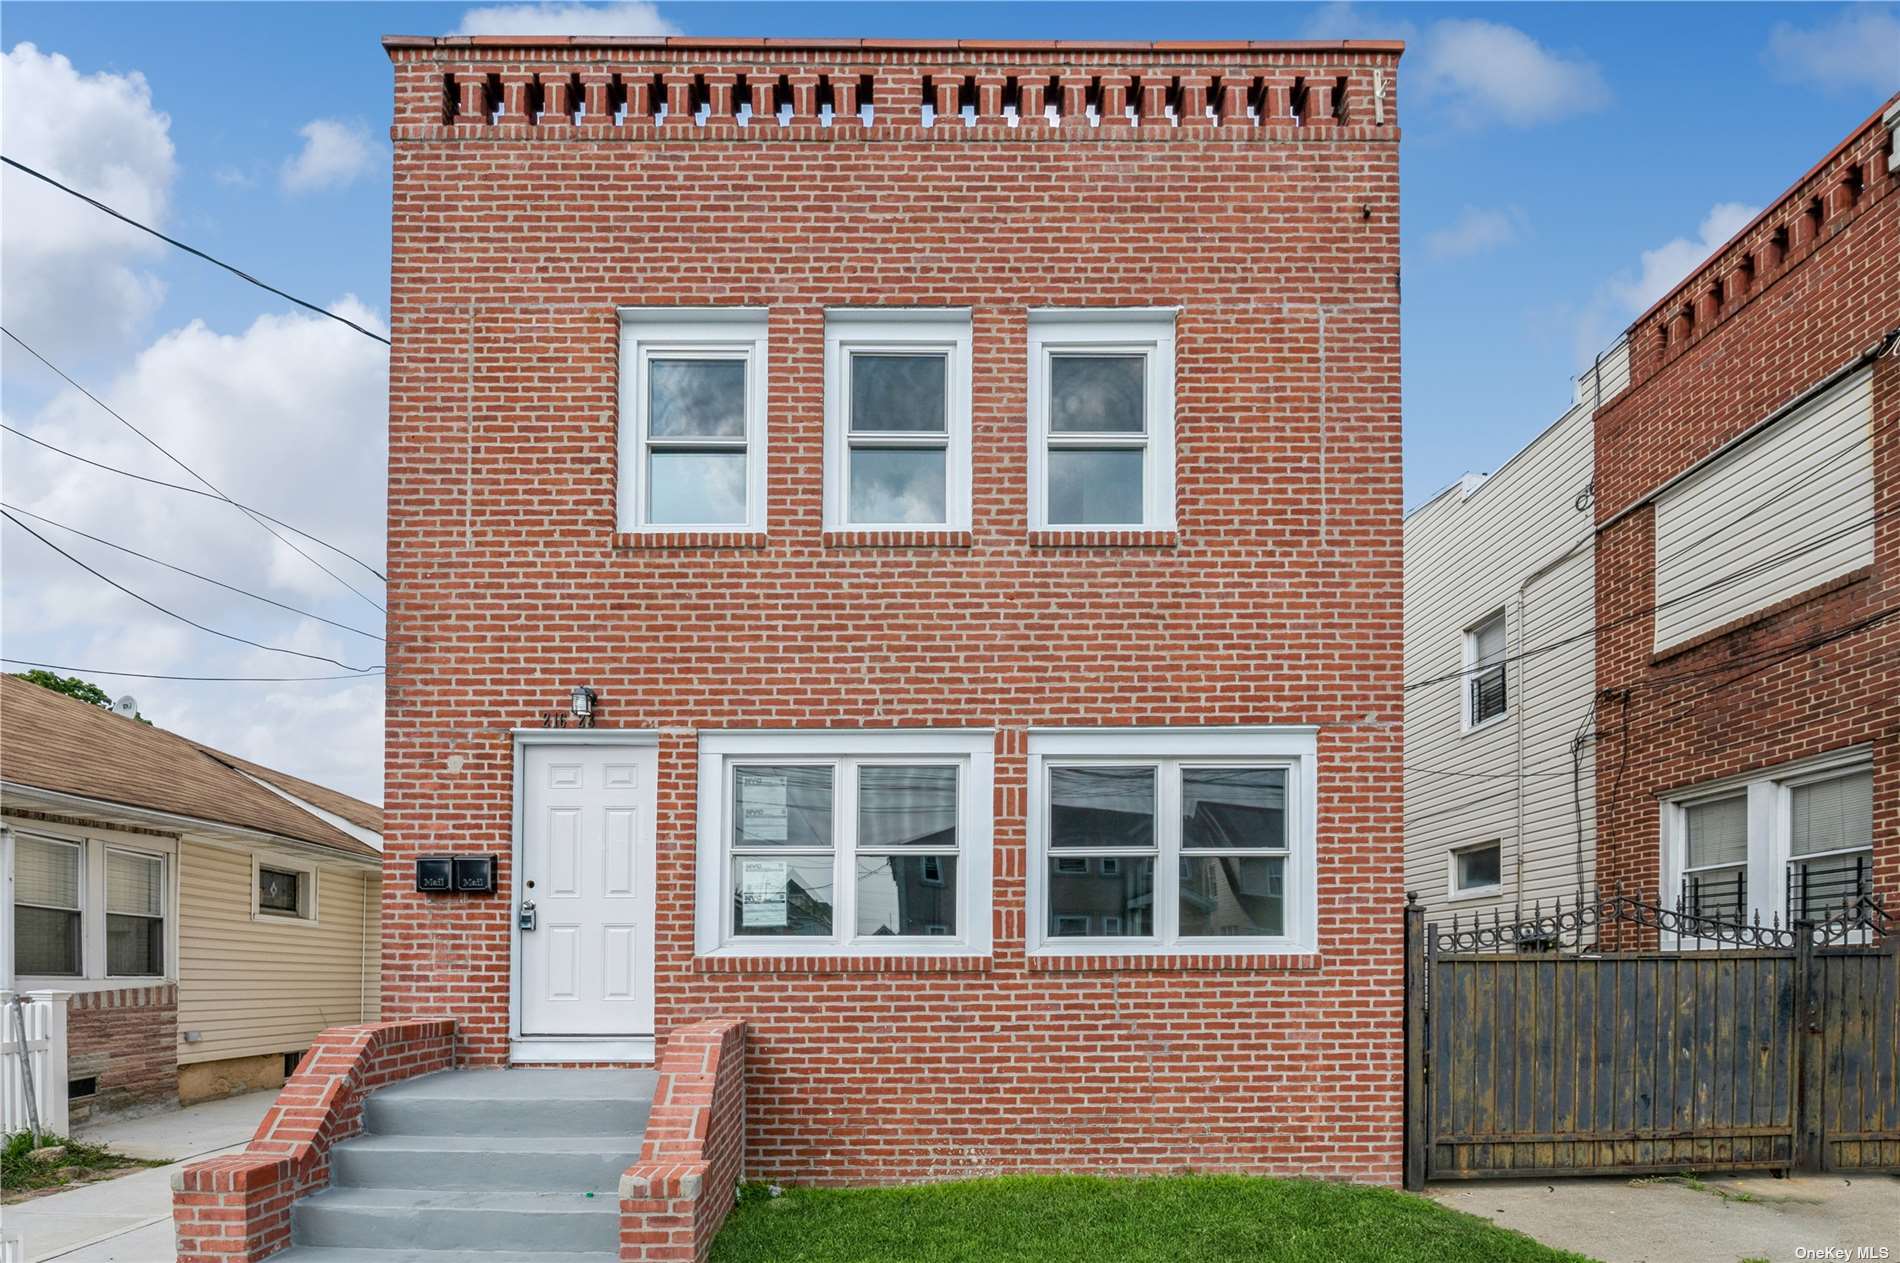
[[73, 686]]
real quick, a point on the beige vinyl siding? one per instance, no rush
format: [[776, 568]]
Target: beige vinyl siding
[[1786, 511], [1467, 553], [261, 986]]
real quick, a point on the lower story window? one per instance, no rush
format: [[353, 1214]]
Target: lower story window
[[852, 842], [1830, 845], [135, 915], [285, 891], [1477, 870], [1200, 841], [89, 909], [47, 919]]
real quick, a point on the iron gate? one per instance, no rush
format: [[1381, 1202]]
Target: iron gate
[[1616, 1036]]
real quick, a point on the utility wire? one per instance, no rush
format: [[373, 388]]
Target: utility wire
[[133, 552], [188, 469], [295, 653], [173, 241], [207, 679], [195, 491]]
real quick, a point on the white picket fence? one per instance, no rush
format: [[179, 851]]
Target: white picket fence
[[45, 1019]]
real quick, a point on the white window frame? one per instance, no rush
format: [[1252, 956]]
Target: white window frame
[[1294, 747], [308, 871], [1469, 675], [1770, 851], [692, 332], [1454, 891], [1145, 331], [971, 750], [900, 331], [94, 844]]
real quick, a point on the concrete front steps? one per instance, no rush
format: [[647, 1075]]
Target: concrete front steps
[[481, 1166]]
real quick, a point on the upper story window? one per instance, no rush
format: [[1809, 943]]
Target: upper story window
[[1101, 413], [897, 419], [845, 843], [692, 419], [1486, 695], [1794, 842], [1171, 840]]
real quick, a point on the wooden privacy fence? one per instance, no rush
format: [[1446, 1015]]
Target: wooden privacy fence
[[1533, 1051]]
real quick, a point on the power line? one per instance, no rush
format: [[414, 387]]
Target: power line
[[173, 241], [160, 448], [295, 653], [206, 679], [195, 491], [133, 552]]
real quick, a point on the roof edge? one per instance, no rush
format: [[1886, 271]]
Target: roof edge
[[701, 42]]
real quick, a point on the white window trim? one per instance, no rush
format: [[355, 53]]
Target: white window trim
[[1468, 661], [1454, 891], [1146, 331], [92, 906], [311, 884], [1290, 746], [900, 330], [972, 749], [645, 332], [1769, 793]]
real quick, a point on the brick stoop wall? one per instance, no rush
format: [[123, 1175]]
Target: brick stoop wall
[[129, 1039], [237, 1209], [674, 1198]]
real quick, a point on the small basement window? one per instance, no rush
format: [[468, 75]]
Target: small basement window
[[1477, 870]]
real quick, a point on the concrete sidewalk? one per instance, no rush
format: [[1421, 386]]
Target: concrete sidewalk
[[1714, 1219], [129, 1220]]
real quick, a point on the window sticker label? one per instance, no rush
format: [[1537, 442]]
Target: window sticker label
[[762, 811], [762, 887]]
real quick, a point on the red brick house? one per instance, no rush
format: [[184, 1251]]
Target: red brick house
[[965, 479], [1748, 563]]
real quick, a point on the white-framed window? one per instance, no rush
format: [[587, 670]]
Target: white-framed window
[[89, 912], [1101, 419], [1477, 870], [1171, 840], [897, 419], [283, 890], [1788, 842], [692, 419], [868, 843], [1486, 672]]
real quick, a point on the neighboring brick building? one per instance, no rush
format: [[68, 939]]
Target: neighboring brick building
[[1101, 541], [1748, 563]]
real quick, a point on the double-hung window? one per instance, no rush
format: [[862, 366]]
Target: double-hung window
[[88, 910], [1171, 840], [897, 419], [1789, 842], [1101, 411], [48, 881], [692, 419], [1486, 671], [845, 843], [135, 915]]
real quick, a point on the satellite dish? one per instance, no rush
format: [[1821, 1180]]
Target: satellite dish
[[127, 706]]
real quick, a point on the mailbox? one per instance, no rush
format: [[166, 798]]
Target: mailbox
[[474, 874], [435, 875]]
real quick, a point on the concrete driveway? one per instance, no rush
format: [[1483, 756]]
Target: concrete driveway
[[129, 1220], [1715, 1219]]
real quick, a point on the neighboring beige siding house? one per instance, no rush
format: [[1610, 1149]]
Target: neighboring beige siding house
[[1499, 768], [204, 916]]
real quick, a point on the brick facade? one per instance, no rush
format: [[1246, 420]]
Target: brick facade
[[1271, 224], [236, 1209], [128, 1038], [1812, 284]]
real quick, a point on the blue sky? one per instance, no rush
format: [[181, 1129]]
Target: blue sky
[[1562, 164]]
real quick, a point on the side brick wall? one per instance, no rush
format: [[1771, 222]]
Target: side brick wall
[[237, 1209], [129, 1040], [1808, 287], [674, 1198]]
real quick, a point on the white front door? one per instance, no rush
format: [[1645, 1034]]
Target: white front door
[[587, 833]]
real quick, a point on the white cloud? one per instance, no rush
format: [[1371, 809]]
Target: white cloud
[[1858, 48], [75, 280], [333, 154], [1485, 72], [288, 415], [1478, 230], [565, 19], [1342, 19]]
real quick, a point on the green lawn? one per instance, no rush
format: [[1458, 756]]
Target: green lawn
[[1081, 1219]]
